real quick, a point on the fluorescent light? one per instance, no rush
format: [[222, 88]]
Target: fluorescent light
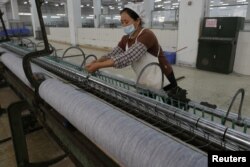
[[45, 17], [157, 0], [82, 6], [25, 2], [56, 4], [161, 19], [167, 2], [55, 17], [60, 14], [222, 7], [88, 17], [24, 14], [118, 17]]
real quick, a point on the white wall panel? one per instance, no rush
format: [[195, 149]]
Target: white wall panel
[[106, 37], [167, 39], [190, 17], [59, 34], [242, 57], [102, 37]]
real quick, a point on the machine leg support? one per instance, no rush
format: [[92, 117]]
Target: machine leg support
[[3, 83], [18, 137], [2, 110]]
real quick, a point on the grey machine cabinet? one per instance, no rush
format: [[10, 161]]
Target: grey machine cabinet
[[218, 42]]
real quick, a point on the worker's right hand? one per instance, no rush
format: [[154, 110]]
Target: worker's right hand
[[94, 61], [92, 67]]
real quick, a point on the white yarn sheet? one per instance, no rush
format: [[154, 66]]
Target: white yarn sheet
[[130, 142], [14, 63]]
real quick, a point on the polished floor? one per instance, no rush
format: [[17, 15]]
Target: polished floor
[[203, 86]]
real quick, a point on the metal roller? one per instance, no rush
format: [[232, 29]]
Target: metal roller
[[127, 140], [3, 50], [14, 63]]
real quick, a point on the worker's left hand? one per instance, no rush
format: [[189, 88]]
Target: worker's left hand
[[92, 67]]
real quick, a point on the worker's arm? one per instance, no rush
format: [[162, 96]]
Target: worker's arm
[[101, 59], [135, 52], [93, 67], [116, 51]]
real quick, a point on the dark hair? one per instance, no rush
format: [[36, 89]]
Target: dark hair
[[131, 13]]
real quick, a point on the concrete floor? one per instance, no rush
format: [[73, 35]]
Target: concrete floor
[[206, 86]]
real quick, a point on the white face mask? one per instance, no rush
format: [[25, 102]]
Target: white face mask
[[129, 29]]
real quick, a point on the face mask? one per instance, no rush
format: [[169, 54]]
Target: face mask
[[129, 29]]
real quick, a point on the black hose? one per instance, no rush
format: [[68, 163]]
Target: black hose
[[242, 91], [75, 47], [47, 51], [4, 28], [84, 61]]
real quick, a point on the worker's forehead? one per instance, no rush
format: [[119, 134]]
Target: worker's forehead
[[125, 16]]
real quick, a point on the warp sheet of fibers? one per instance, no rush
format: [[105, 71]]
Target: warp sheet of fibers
[[15, 65], [130, 142]]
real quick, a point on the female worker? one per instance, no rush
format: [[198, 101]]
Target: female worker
[[138, 48]]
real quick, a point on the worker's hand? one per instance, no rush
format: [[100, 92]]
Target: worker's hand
[[92, 67], [94, 61]]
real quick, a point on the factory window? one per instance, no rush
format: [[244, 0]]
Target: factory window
[[55, 13], [24, 13], [165, 14], [222, 8], [87, 13], [167, 19], [110, 12]]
